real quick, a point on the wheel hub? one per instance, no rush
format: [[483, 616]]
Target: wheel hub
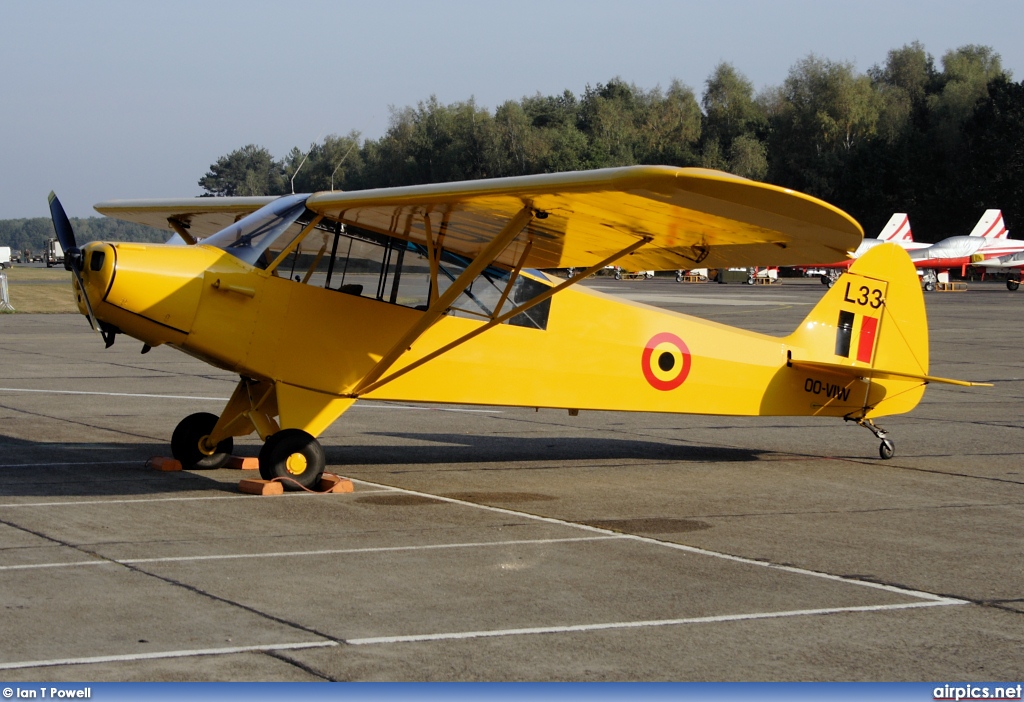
[[296, 464], [205, 447]]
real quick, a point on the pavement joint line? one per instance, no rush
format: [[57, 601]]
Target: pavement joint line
[[358, 405], [68, 463], [318, 552], [682, 547], [197, 498], [156, 655], [605, 626]]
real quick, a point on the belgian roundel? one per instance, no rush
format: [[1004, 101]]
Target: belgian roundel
[[665, 361]]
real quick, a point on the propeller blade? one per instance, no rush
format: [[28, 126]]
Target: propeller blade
[[65, 234], [93, 322], [72, 254]]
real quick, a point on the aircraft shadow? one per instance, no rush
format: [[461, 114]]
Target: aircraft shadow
[[435, 448], [82, 469]]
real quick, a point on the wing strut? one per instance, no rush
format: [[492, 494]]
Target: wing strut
[[181, 230], [439, 306], [367, 387]]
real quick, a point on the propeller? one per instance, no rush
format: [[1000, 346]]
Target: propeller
[[72, 254]]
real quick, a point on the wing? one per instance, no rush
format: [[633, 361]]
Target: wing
[[198, 216], [688, 216]]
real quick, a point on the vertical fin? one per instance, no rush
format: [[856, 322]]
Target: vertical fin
[[897, 229], [873, 317], [990, 225]]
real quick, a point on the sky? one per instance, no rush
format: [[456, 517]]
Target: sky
[[113, 99]]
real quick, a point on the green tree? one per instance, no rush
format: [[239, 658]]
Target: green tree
[[733, 124], [994, 136], [823, 111], [250, 170], [966, 73]]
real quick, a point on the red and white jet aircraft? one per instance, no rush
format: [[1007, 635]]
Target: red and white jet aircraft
[[897, 231], [987, 242]]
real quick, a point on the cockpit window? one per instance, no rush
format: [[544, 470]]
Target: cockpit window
[[358, 262], [270, 228]]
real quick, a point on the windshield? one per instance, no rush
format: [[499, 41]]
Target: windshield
[[268, 227]]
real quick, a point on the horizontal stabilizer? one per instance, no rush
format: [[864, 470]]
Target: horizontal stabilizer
[[863, 372]]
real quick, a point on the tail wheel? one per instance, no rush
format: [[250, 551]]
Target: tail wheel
[[886, 449], [295, 456], [186, 442]]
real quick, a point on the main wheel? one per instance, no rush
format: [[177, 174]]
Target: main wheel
[[1012, 284], [295, 455], [618, 276], [185, 442], [929, 287], [886, 449]]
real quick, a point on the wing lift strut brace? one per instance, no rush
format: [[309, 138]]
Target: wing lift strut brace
[[374, 379]]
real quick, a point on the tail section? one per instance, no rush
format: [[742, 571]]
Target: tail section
[[897, 230], [991, 225], [864, 346]]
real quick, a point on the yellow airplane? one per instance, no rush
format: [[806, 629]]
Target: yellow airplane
[[428, 294]]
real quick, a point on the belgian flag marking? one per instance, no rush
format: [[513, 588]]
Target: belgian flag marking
[[866, 328], [665, 361]]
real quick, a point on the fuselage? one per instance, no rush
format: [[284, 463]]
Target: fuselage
[[593, 352], [960, 251]]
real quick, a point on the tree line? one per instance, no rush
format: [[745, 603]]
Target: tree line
[[31, 234], [941, 142]]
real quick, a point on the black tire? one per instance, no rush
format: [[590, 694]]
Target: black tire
[[929, 287], [185, 442], [618, 276], [824, 279], [1012, 284], [294, 455], [886, 449]]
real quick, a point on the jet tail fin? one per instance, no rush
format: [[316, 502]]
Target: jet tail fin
[[897, 229], [991, 225]]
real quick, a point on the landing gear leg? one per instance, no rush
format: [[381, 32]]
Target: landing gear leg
[[887, 448]]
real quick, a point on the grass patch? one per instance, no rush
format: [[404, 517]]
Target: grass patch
[[42, 298], [40, 290], [55, 275]]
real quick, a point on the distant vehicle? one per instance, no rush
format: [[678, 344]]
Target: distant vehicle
[[621, 274], [54, 253], [5, 257]]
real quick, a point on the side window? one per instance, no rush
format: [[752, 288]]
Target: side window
[[537, 316], [357, 262]]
